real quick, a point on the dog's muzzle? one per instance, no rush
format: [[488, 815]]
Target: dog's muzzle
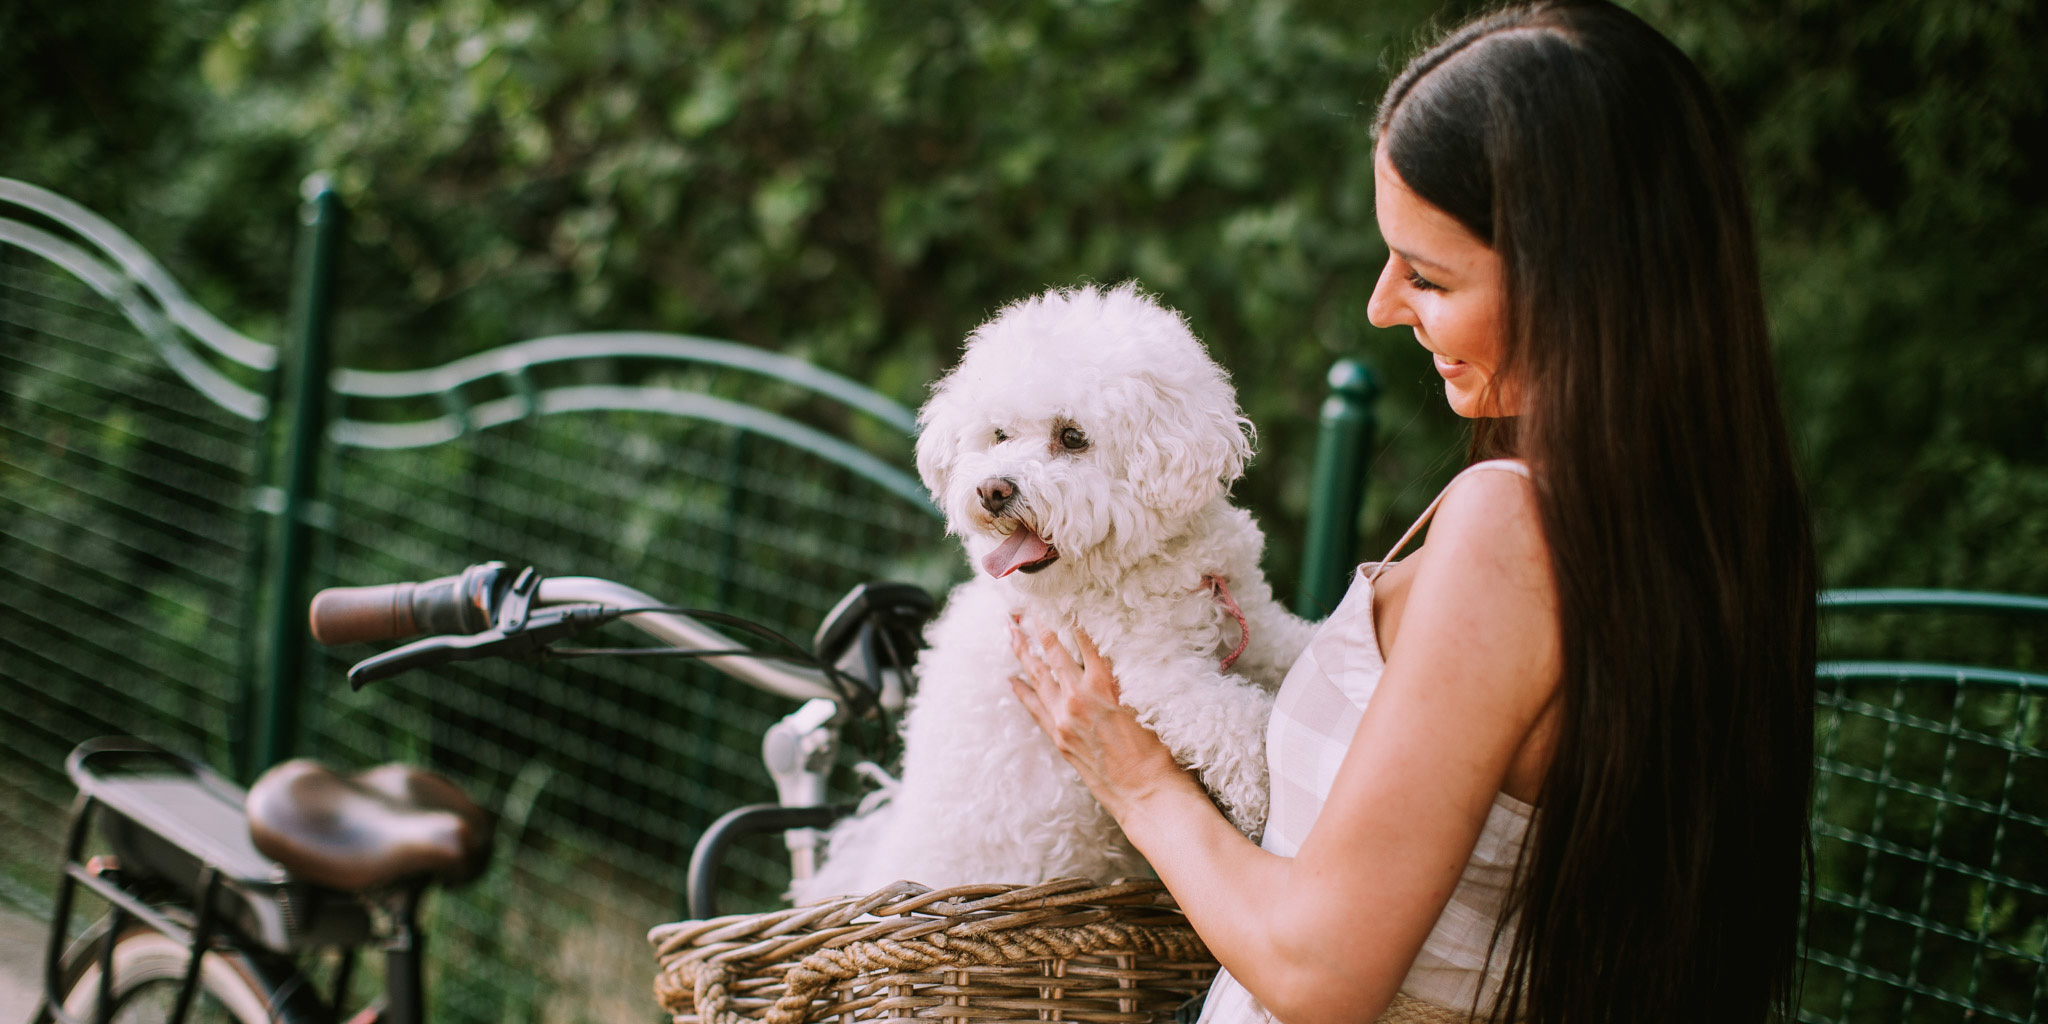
[[996, 494]]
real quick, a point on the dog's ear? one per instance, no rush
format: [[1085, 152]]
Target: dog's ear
[[940, 427], [1189, 440]]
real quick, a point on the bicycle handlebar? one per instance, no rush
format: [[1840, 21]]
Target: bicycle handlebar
[[395, 611], [464, 604], [778, 677]]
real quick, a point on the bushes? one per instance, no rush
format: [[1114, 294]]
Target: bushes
[[860, 182]]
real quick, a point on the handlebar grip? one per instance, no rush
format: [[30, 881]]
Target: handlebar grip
[[353, 615], [393, 611]]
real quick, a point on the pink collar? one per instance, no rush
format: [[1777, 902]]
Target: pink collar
[[1222, 589]]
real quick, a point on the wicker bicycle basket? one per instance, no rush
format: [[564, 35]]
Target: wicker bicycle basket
[[1066, 950]]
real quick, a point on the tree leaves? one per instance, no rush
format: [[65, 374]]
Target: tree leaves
[[860, 182]]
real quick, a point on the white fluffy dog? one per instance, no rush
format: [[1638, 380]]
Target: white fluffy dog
[[1083, 450]]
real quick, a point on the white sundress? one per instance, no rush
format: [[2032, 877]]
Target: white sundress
[[1314, 717]]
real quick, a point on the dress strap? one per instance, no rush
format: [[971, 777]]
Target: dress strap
[[1516, 466]]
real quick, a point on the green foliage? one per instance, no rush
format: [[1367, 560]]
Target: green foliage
[[857, 183], [1899, 158], [860, 182]]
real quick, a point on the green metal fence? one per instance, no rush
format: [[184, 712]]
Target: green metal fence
[[149, 583], [148, 587], [606, 772], [129, 443], [1930, 815]]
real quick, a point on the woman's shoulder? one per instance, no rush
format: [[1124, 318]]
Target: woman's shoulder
[[1487, 547], [1486, 562], [1515, 466], [1490, 512], [1480, 629]]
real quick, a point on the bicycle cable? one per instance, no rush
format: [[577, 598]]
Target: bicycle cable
[[843, 686]]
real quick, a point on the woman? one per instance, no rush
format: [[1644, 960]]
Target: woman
[[1553, 765]]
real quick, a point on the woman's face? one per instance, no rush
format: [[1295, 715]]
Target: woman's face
[[1444, 282]]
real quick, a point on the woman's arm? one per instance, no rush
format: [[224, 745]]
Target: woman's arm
[[1328, 935]]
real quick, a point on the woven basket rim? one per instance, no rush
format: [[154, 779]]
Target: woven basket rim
[[908, 930], [905, 899]]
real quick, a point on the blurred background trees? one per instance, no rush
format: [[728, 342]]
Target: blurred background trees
[[859, 182]]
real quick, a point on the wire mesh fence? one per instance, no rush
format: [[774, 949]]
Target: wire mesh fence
[[1930, 814], [132, 468], [1930, 825], [138, 506], [605, 770], [124, 562]]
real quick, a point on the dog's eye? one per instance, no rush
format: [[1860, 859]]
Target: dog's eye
[[1001, 437], [1072, 439]]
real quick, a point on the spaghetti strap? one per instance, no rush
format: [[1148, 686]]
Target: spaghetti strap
[[1515, 466]]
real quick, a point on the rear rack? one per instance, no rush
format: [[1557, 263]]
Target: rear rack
[[174, 823]]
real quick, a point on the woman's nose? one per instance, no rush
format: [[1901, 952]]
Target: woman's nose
[[1386, 308]]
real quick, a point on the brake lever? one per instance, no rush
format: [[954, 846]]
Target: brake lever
[[524, 636]]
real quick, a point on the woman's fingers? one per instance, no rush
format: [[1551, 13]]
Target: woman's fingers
[[1075, 704], [1052, 671], [1087, 645], [1055, 656], [1022, 649], [1036, 685], [1096, 673], [1031, 657], [1046, 661], [1027, 695]]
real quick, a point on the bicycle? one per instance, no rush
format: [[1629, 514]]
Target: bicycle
[[230, 894]]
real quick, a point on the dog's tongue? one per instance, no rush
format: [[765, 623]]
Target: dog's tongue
[[1022, 547]]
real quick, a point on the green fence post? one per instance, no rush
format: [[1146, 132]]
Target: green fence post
[[1337, 489], [312, 317], [253, 614]]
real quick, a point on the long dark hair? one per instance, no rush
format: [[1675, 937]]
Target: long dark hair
[[1661, 879]]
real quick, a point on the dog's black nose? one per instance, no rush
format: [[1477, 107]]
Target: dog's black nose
[[997, 493]]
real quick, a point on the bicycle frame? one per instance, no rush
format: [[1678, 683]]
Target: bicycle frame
[[799, 750], [196, 939], [212, 884], [207, 898]]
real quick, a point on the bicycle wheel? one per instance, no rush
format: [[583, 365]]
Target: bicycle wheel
[[149, 967]]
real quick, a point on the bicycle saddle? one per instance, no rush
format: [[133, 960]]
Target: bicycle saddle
[[389, 824]]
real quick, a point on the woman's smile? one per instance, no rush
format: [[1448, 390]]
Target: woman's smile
[[1445, 284]]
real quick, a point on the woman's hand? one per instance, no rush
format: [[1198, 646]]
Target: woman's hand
[[1077, 706]]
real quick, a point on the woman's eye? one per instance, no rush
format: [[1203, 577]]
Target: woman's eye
[[1420, 283], [1072, 439], [1001, 437]]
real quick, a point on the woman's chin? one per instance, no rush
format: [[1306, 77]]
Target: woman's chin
[[1475, 402], [1465, 403]]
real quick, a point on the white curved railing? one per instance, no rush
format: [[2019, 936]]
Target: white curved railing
[[115, 266], [123, 273]]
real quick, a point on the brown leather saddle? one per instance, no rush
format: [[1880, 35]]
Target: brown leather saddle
[[390, 825]]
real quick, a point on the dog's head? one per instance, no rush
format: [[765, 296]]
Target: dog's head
[[1082, 426]]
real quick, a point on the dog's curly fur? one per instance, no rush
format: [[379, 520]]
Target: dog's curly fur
[[1139, 517]]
